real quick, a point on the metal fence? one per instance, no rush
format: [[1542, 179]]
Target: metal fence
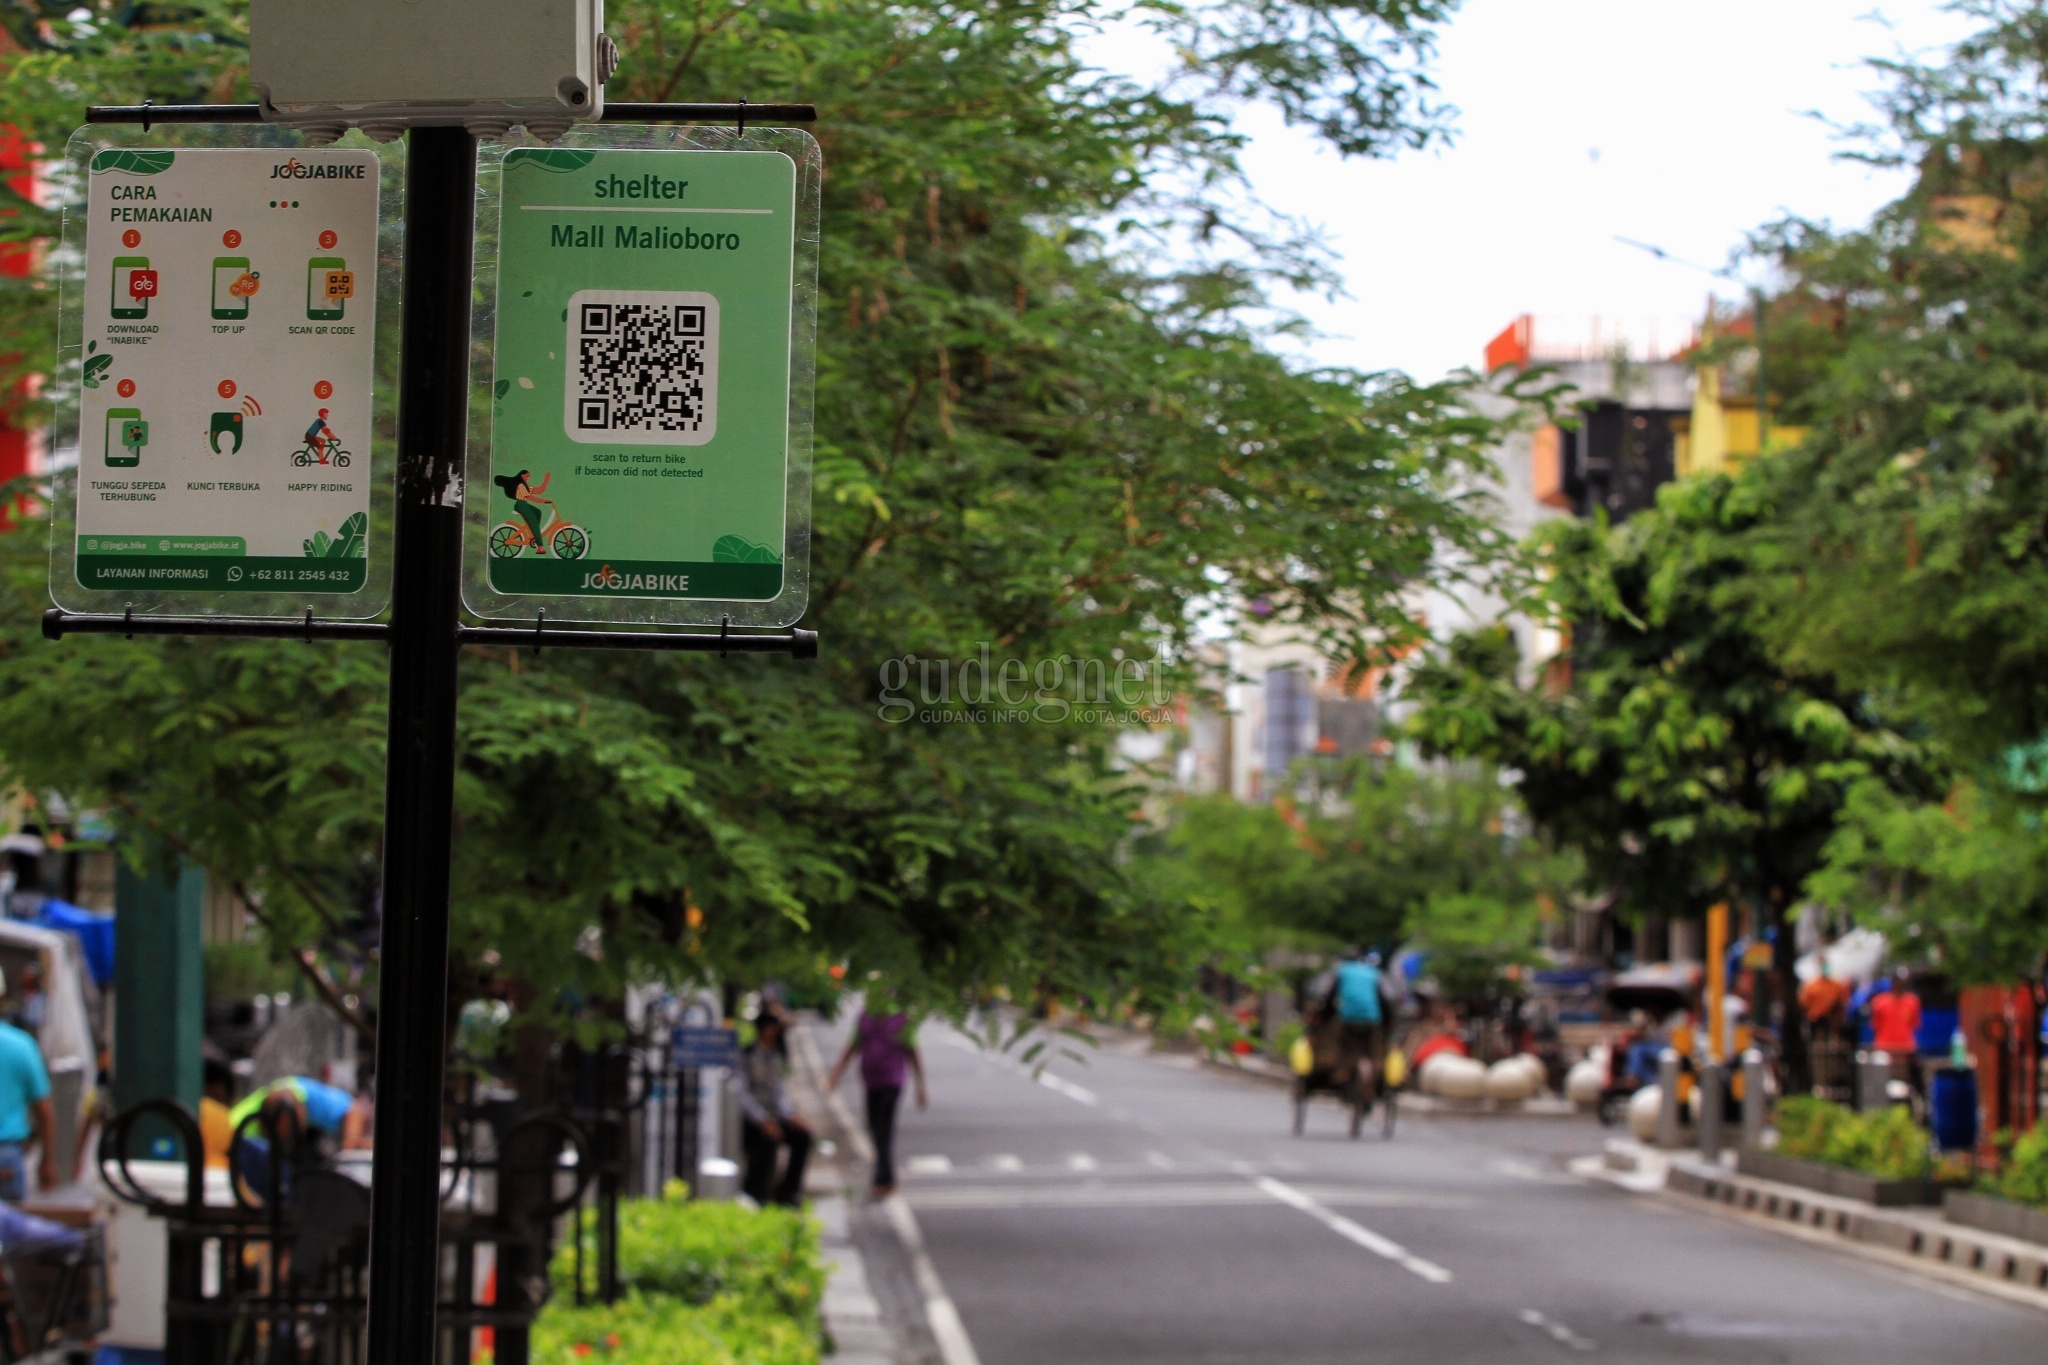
[[271, 1265]]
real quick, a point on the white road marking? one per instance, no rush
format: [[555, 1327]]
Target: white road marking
[[1081, 1161], [1556, 1330], [1006, 1162], [1059, 1085], [928, 1165], [1160, 1159], [1353, 1232], [947, 1330], [1068, 1194]]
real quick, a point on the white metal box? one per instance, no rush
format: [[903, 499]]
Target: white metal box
[[386, 65]]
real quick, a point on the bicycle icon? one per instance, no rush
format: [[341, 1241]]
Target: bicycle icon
[[566, 538], [321, 452]]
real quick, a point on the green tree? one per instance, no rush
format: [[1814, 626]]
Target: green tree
[[1371, 852], [1684, 761], [1899, 548], [1035, 433]]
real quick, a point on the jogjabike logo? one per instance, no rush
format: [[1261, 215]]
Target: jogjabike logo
[[608, 579]]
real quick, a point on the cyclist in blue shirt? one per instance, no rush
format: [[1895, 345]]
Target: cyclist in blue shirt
[[1360, 1003]]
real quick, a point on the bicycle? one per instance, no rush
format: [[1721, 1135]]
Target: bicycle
[[565, 538], [329, 452]]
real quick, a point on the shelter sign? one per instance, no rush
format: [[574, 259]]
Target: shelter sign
[[642, 387], [229, 337]]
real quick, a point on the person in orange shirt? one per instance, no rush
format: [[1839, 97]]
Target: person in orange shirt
[[1895, 1018], [216, 1129]]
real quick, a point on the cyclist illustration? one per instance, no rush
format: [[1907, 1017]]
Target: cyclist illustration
[[321, 445], [541, 529]]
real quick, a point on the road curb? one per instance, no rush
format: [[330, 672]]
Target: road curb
[[1922, 1243]]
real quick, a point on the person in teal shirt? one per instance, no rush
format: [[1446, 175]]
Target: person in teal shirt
[[25, 1111]]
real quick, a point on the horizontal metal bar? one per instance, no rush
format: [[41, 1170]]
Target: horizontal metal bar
[[57, 623], [709, 113], [798, 644], [174, 113], [613, 113]]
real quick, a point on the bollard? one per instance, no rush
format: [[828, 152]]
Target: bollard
[[1713, 1095], [1753, 1100], [1667, 1111]]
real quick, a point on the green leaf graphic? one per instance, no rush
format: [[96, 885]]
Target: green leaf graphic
[[555, 159], [498, 389], [132, 161], [96, 366], [316, 548], [348, 543], [740, 550]]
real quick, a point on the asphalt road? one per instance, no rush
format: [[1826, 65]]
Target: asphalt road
[[1130, 1209]]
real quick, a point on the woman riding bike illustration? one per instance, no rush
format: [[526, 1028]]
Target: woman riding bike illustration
[[321, 445], [533, 527]]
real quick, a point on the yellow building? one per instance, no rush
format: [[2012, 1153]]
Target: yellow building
[[1722, 433]]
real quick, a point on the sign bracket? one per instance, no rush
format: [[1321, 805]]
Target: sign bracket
[[797, 644]]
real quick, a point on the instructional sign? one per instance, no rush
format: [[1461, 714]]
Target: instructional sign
[[641, 393], [229, 333]]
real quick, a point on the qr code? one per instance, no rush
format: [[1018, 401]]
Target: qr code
[[642, 368]]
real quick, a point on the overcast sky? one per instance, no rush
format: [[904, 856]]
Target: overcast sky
[[1670, 121]]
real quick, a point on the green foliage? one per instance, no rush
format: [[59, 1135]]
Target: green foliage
[[1963, 881], [1886, 1142], [241, 971], [646, 1329], [700, 1250], [1472, 940], [1685, 761], [2025, 1174], [1374, 853], [707, 1283]]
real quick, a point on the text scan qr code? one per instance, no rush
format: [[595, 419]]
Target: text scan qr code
[[641, 368]]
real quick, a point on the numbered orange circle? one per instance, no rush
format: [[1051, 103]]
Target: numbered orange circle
[[227, 388], [231, 239], [328, 239], [323, 389], [131, 239], [126, 388]]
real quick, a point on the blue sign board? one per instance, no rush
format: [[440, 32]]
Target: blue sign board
[[691, 1047]]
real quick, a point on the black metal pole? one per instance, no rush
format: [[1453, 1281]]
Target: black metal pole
[[419, 774]]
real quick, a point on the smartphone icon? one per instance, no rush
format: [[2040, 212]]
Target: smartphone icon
[[127, 434], [132, 295], [233, 286], [329, 286]]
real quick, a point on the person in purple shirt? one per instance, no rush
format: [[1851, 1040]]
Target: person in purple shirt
[[887, 1046]]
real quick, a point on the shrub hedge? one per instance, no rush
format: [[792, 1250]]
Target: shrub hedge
[[706, 1284], [1886, 1143]]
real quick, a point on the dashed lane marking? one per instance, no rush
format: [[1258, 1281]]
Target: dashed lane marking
[[1006, 1162], [928, 1165], [1160, 1159], [1081, 1161], [1354, 1233], [1060, 1085], [1556, 1331]]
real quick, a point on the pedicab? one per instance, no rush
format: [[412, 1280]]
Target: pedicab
[[1331, 1059]]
